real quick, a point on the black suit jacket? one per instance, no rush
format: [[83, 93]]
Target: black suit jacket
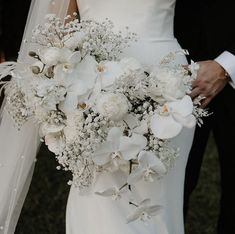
[[12, 22], [205, 27], [1, 22]]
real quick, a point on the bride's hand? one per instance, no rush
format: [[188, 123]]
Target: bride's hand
[[211, 79]]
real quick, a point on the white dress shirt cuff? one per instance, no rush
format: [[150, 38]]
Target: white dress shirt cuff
[[227, 61]]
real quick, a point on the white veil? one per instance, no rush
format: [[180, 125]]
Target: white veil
[[18, 148]]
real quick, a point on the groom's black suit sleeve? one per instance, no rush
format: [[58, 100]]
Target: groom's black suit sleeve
[[219, 27], [206, 28], [1, 24]]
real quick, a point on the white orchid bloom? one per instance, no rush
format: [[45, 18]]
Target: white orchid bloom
[[119, 149], [79, 84], [52, 56], [69, 59], [175, 115], [150, 166], [144, 211], [108, 72], [136, 126]]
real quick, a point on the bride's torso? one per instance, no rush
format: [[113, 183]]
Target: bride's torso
[[152, 20]]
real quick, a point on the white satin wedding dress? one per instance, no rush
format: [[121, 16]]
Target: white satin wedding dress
[[152, 20]]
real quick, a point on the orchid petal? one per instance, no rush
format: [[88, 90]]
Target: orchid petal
[[108, 192], [143, 128], [78, 88], [65, 55], [114, 136], [131, 146], [164, 127], [69, 104], [145, 202], [154, 210], [188, 121], [102, 155], [59, 73], [75, 57], [184, 107], [132, 217], [132, 121], [135, 176], [50, 56], [86, 71], [150, 159], [112, 72], [144, 208], [94, 94]]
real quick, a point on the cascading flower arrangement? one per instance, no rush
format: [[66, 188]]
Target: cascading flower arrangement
[[98, 112]]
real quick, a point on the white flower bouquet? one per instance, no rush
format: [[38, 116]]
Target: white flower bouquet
[[98, 112]]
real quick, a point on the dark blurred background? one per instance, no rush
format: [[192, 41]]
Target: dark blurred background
[[45, 205]]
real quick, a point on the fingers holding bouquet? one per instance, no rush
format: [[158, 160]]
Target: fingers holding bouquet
[[211, 79]]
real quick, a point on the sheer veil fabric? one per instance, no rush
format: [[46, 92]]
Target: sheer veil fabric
[[18, 148]]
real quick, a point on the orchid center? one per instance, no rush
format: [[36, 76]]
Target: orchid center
[[144, 216], [116, 155], [148, 174], [101, 68], [165, 109]]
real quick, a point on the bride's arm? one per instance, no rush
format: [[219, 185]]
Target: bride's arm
[[73, 7]]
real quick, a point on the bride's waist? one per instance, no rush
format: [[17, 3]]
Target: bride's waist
[[157, 39], [153, 50], [161, 45]]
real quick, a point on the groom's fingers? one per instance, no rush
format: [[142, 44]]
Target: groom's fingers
[[205, 102], [195, 92], [210, 80]]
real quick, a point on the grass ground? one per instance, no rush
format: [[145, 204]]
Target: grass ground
[[204, 203], [44, 209]]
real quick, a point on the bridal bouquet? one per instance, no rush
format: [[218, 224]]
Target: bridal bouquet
[[97, 112]]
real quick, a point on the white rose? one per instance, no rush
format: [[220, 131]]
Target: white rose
[[170, 84], [50, 56], [114, 106]]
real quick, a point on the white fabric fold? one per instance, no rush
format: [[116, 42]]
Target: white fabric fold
[[227, 61]]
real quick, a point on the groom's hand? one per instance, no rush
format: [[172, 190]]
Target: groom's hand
[[211, 79]]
